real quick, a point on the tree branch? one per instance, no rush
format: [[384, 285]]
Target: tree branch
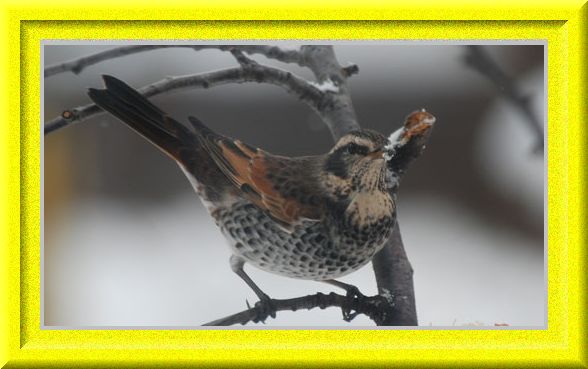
[[394, 277], [253, 72], [76, 66], [478, 59], [372, 306], [340, 116], [273, 52]]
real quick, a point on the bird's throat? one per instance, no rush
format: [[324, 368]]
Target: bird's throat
[[369, 207]]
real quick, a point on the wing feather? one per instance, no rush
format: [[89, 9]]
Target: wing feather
[[253, 172]]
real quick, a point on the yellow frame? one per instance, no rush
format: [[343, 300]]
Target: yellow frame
[[563, 26]]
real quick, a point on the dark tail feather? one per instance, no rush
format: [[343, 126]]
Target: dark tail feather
[[133, 109]]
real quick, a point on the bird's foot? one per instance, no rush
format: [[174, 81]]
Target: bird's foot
[[353, 296], [264, 308]]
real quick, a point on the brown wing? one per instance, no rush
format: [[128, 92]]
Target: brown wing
[[268, 181]]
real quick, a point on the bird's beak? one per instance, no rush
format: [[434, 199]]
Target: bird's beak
[[376, 154]]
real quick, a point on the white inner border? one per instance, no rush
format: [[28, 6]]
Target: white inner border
[[307, 42]]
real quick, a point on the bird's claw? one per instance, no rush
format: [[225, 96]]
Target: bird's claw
[[352, 295], [264, 308]]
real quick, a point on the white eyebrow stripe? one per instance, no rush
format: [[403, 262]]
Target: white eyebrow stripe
[[362, 141]]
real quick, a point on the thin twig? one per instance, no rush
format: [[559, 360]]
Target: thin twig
[[350, 70], [77, 65], [351, 307], [253, 73], [479, 59], [274, 52], [243, 61]]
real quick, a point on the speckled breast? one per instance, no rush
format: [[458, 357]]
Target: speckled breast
[[313, 250]]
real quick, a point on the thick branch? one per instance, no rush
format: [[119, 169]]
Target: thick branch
[[252, 73], [391, 266], [372, 306], [394, 278], [340, 116], [479, 59], [78, 65]]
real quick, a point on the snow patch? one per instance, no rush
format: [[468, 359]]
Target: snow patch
[[393, 142], [387, 295], [327, 86]]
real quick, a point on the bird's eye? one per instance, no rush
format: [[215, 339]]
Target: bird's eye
[[355, 149]]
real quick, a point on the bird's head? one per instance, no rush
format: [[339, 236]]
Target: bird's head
[[357, 159]]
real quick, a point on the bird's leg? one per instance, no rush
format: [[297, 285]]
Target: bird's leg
[[237, 264], [352, 294], [349, 288], [265, 306]]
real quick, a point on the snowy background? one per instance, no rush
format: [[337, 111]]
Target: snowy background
[[128, 243]]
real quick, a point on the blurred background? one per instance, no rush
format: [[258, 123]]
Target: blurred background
[[128, 243]]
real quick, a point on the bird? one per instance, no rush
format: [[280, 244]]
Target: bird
[[315, 217]]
